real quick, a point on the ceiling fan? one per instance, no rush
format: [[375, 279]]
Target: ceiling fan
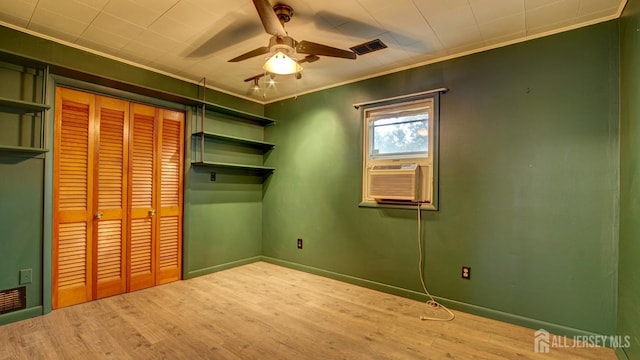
[[273, 20]]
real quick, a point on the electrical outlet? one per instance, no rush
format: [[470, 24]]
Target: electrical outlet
[[299, 243], [213, 176], [466, 272], [26, 276]]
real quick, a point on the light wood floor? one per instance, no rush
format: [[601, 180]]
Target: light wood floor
[[263, 311]]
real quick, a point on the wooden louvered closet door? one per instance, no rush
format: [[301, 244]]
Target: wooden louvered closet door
[[73, 198], [110, 202], [117, 197], [155, 255], [142, 264], [169, 253]]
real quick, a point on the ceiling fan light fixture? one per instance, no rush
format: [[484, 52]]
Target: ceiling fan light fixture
[[281, 64]]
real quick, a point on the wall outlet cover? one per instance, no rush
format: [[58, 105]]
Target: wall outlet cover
[[26, 276], [466, 272]]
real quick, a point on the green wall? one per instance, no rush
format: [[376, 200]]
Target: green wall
[[629, 279], [21, 189], [225, 215], [528, 185], [21, 211]]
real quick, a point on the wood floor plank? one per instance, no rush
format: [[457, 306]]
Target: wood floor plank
[[263, 311]]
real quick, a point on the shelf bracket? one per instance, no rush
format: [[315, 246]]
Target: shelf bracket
[[204, 111]]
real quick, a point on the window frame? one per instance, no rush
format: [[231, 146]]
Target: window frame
[[430, 161]]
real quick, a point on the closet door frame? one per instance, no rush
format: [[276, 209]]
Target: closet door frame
[[126, 92], [91, 83]]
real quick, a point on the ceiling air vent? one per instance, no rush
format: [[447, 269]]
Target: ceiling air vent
[[369, 47], [13, 299]]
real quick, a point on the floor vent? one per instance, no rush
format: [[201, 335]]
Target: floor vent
[[369, 47], [13, 299]]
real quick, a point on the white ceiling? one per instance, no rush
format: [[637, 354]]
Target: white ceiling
[[165, 35]]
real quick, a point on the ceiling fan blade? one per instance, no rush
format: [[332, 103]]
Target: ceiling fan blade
[[255, 52], [308, 47], [309, 59], [269, 18]]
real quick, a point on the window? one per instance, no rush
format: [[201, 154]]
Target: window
[[398, 134], [400, 144]]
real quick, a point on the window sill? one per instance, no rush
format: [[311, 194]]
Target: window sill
[[391, 205]]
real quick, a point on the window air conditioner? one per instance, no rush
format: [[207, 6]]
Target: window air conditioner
[[394, 182]]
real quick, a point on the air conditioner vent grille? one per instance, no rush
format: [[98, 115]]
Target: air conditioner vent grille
[[392, 186], [394, 182]]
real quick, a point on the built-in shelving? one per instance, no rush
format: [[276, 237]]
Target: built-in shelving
[[237, 140], [240, 115], [222, 149], [214, 164], [21, 107], [22, 149]]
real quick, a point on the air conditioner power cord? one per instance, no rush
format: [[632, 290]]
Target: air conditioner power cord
[[432, 303]]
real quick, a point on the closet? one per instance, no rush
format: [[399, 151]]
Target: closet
[[117, 217]]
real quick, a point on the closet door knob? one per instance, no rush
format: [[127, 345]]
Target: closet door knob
[[152, 212], [99, 215]]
